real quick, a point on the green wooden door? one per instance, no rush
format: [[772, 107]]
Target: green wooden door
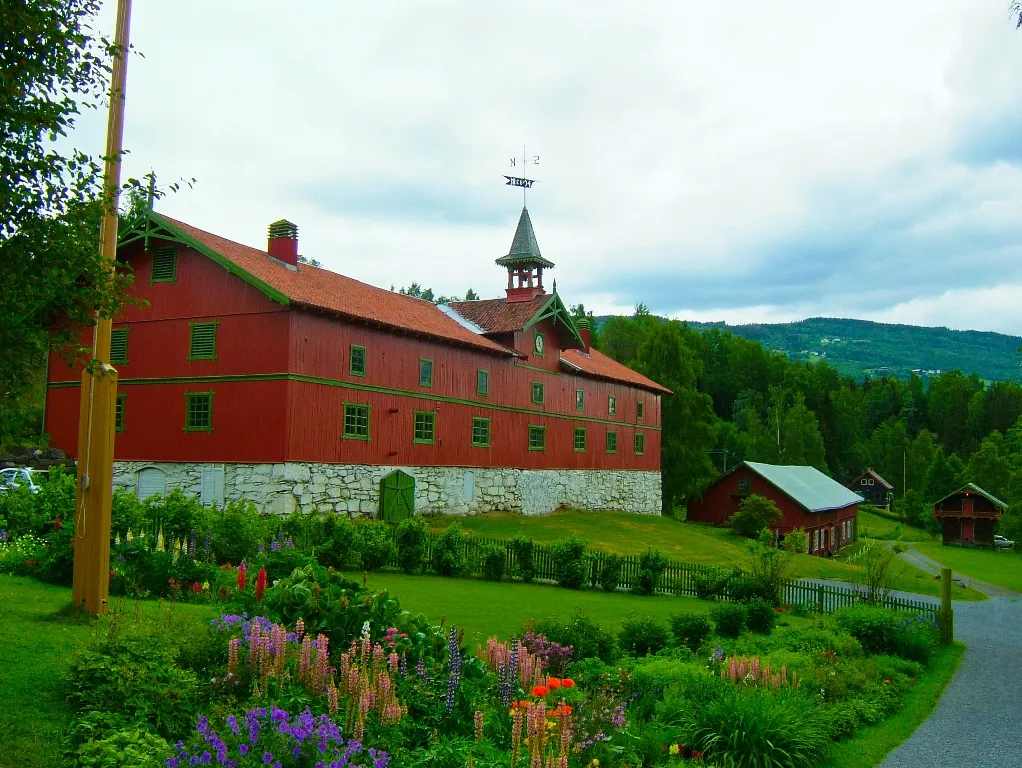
[[397, 496]]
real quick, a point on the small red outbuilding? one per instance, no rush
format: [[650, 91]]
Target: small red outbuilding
[[969, 515], [806, 497]]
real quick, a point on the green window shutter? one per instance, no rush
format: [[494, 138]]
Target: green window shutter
[[425, 427], [640, 444], [358, 361], [198, 411], [356, 421], [425, 373], [611, 441], [537, 438], [164, 268], [537, 392], [119, 345], [580, 439], [482, 382], [203, 341], [119, 412], [481, 433]]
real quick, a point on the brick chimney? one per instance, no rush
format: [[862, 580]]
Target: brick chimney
[[282, 243], [585, 331]]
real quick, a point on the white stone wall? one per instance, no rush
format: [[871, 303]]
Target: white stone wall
[[355, 488]]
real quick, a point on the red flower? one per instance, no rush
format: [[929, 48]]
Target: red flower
[[697, 755], [241, 576], [260, 583], [567, 682], [540, 690], [553, 683], [57, 525]]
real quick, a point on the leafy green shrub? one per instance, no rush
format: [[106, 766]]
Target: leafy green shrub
[[758, 729], [802, 609], [521, 550], [761, 617], [651, 566], [816, 640], [690, 630], [643, 636], [745, 589], [17, 506], [174, 515], [730, 619], [135, 746], [280, 561], [126, 514], [754, 514], [375, 545], [236, 532], [585, 637], [410, 537], [449, 551], [610, 572], [882, 630], [711, 585], [340, 545], [494, 559], [570, 561]]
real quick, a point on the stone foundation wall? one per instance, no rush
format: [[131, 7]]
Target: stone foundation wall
[[354, 489]]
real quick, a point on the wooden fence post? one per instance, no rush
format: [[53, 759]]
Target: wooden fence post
[[946, 617]]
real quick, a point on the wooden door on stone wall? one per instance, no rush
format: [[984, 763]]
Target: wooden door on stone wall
[[397, 496]]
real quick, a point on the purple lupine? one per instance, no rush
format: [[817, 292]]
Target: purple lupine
[[275, 546], [402, 665], [207, 544], [453, 667], [420, 670], [289, 543]]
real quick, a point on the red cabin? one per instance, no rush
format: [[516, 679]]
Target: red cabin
[[873, 489], [249, 374], [968, 516], [806, 497]]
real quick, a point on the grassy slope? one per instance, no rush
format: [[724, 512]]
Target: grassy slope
[[39, 635], [995, 566], [869, 746], [877, 527], [626, 533]]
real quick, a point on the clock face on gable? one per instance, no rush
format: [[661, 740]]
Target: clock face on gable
[[539, 343]]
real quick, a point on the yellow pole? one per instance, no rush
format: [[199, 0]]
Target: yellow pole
[[90, 588]]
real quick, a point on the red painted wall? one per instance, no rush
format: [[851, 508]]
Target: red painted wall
[[720, 501]]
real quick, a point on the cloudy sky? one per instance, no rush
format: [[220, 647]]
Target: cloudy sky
[[754, 160]]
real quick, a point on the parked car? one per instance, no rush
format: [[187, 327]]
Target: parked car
[[1002, 543], [14, 477]]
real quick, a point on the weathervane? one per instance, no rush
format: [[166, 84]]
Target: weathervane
[[521, 181]]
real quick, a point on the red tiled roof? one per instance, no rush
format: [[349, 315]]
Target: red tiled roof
[[323, 289], [595, 363], [499, 315]]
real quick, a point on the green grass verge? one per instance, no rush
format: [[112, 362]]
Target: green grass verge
[[870, 745], [484, 608], [630, 534], [996, 566], [878, 527], [40, 632]]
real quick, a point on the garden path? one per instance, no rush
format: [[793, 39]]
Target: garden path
[[978, 719]]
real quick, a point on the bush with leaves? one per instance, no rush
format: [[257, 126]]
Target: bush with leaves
[[761, 617], [883, 630], [494, 559], [586, 638], [754, 514], [690, 630], [237, 532], [570, 561], [643, 636], [340, 544], [375, 545], [652, 564], [126, 514], [730, 619], [610, 572], [522, 549], [410, 538], [449, 551], [134, 745], [711, 585]]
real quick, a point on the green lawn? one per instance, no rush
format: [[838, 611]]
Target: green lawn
[[39, 634], [630, 534], [868, 747], [997, 566], [878, 527]]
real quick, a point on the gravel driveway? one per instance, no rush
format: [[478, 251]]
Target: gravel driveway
[[979, 718]]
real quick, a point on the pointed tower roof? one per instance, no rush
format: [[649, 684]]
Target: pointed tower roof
[[524, 247]]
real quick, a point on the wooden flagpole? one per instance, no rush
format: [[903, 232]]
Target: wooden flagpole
[[96, 427]]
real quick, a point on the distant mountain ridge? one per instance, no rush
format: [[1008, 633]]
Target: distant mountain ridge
[[863, 348]]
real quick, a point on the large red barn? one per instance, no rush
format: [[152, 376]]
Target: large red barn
[[247, 373], [806, 497]]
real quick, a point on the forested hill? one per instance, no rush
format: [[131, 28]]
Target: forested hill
[[862, 348]]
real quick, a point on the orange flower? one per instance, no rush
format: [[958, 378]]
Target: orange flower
[[523, 703], [566, 709], [540, 690], [553, 683], [567, 682]]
